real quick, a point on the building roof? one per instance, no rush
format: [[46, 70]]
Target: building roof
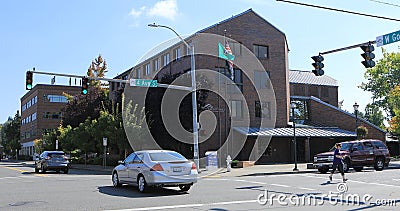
[[300, 132], [307, 77]]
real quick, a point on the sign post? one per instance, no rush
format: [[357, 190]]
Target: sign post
[[105, 152], [388, 38]]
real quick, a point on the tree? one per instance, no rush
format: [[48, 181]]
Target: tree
[[11, 134], [362, 132], [98, 68], [374, 115], [383, 81]]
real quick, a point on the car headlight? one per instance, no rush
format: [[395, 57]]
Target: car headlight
[[330, 158], [315, 159]]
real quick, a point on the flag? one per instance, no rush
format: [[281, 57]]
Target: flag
[[225, 52]]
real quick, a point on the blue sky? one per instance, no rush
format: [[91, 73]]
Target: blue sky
[[65, 36]]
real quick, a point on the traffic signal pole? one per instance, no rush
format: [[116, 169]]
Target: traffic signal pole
[[347, 48], [184, 88]]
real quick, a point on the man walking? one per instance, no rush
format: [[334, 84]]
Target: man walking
[[337, 162]]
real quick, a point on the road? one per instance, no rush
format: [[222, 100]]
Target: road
[[22, 189]]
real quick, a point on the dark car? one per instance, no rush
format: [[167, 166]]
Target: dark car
[[357, 154], [52, 160]]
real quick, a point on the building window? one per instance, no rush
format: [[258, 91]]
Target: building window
[[237, 79], [236, 108], [263, 109], [147, 68], [156, 63], [23, 107], [34, 116], [261, 51], [261, 79], [177, 53], [236, 48], [301, 111], [138, 73], [57, 99], [166, 59]]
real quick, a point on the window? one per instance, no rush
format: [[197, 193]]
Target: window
[[177, 53], [237, 79], [56, 99], [166, 59], [130, 158], [301, 111], [261, 51], [34, 116], [28, 104], [236, 108], [235, 48], [148, 70], [156, 63], [368, 146], [138, 73], [263, 109], [23, 107], [379, 145], [261, 79], [358, 146]]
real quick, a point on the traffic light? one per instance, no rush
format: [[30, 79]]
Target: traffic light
[[85, 85], [318, 65], [368, 56], [29, 80]]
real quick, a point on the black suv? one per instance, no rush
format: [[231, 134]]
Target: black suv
[[52, 160], [357, 154]]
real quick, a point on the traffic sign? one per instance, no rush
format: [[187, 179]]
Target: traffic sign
[[143, 82], [388, 38]]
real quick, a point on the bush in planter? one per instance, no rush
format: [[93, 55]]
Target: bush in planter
[[234, 163]]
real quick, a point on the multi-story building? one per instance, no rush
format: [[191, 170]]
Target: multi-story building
[[41, 112], [319, 120]]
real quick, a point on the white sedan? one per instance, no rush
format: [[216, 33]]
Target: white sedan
[[155, 168]]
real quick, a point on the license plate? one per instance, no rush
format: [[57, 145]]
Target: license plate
[[177, 169]]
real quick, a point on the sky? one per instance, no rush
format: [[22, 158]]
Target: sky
[[65, 36]]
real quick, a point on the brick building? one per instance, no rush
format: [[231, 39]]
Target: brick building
[[41, 112], [319, 120]]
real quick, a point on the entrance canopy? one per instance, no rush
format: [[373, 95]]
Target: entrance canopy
[[329, 132]]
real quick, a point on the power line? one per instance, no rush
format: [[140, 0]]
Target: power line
[[339, 10], [382, 2]]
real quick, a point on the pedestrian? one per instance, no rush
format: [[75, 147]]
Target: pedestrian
[[337, 162]]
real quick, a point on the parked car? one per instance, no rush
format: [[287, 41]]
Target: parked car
[[52, 160], [162, 168], [357, 154]]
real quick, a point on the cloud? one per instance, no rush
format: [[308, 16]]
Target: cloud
[[163, 8], [137, 13]]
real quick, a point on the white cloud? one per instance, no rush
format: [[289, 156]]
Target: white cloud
[[137, 13], [165, 8]]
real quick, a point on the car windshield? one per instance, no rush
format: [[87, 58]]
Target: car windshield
[[166, 156], [345, 146]]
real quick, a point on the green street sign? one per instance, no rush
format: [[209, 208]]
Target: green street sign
[[388, 38], [143, 82]]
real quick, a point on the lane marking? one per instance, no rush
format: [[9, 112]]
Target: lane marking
[[15, 169], [279, 185], [187, 205]]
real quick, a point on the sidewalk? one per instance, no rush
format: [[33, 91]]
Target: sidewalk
[[256, 170]]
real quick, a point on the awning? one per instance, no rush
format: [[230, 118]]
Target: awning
[[300, 132]]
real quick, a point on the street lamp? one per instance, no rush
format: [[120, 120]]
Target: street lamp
[[194, 98], [355, 106], [293, 106]]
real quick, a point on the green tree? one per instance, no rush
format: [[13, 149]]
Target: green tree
[[11, 134], [374, 115], [383, 82], [98, 68]]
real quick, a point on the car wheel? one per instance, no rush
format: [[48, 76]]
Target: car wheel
[[323, 170], [142, 186], [184, 188], [36, 169], [379, 164], [42, 169], [346, 165], [115, 180], [358, 169], [66, 171]]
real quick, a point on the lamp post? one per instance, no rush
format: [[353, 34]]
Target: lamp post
[[293, 106], [194, 97], [355, 106]]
